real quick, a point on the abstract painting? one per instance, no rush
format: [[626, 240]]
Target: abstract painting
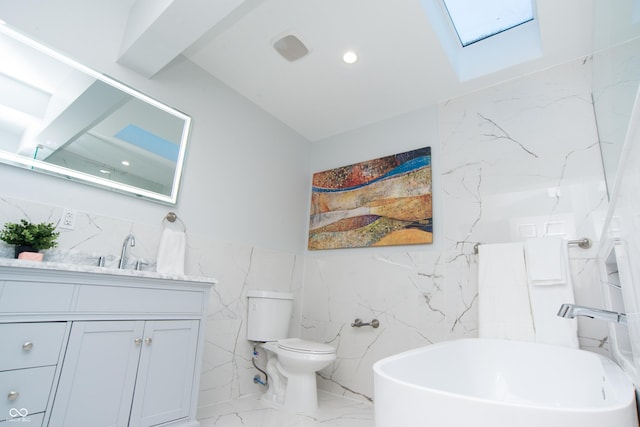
[[381, 202]]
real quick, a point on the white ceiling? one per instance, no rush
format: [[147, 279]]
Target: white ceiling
[[402, 65]]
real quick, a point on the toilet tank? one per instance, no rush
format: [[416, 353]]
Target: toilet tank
[[268, 315]]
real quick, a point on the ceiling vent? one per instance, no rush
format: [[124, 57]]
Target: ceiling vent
[[291, 48]]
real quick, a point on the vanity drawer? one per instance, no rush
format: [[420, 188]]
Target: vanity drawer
[[35, 297], [114, 299], [25, 388], [28, 345]]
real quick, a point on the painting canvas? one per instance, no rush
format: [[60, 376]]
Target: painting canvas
[[381, 202]]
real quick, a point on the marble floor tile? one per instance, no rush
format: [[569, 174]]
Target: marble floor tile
[[333, 411]]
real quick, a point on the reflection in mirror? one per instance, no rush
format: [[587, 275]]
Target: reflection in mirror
[[616, 76], [59, 117]]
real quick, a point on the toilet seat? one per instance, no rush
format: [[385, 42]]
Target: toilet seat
[[303, 346]]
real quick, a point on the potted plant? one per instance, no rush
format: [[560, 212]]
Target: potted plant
[[29, 237]]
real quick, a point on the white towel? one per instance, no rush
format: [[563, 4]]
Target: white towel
[[171, 252], [503, 300], [547, 299], [545, 258]]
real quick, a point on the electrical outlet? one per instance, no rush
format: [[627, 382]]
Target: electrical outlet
[[68, 219]]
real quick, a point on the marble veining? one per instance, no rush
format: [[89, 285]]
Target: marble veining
[[503, 135]]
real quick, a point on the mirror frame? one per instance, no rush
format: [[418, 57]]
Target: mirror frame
[[70, 174]]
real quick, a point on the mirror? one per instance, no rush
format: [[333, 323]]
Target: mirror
[[616, 76], [61, 118]]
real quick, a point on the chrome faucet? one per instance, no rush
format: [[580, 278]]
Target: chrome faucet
[[571, 310], [130, 240]]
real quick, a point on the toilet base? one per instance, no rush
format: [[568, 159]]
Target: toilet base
[[277, 382], [302, 393], [296, 393], [292, 382]]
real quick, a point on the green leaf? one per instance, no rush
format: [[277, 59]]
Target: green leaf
[[38, 236]]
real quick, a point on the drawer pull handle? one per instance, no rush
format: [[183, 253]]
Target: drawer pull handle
[[138, 341], [27, 346], [13, 395], [148, 340]]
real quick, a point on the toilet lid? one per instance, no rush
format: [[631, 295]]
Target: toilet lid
[[303, 346]]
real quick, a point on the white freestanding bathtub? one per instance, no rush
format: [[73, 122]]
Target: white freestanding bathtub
[[498, 383]]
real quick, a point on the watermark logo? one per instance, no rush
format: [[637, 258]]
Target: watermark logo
[[19, 415]]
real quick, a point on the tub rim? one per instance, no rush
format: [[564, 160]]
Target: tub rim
[[619, 379]]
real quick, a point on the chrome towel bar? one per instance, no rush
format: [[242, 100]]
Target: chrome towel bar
[[584, 243]]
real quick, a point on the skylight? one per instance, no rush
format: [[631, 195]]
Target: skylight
[[475, 20]]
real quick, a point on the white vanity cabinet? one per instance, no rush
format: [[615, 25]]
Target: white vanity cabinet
[[104, 349], [141, 371]]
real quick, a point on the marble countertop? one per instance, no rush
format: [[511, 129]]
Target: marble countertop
[[47, 265]]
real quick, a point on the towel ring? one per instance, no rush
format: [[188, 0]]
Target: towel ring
[[172, 217]]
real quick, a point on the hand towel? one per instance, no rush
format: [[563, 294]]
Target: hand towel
[[545, 260], [547, 299], [503, 299], [171, 252]]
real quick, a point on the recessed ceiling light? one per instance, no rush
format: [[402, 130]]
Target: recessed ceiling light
[[104, 171], [126, 163], [350, 57]]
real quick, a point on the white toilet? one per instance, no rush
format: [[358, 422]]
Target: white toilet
[[289, 360]]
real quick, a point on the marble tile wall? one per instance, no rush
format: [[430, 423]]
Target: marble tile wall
[[227, 371], [526, 148], [93, 236]]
